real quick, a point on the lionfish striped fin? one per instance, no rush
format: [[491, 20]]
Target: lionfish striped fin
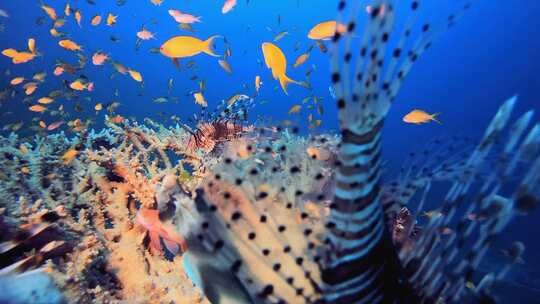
[[361, 264], [447, 254], [258, 218], [440, 160]]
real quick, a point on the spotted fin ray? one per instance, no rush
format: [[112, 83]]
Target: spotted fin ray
[[260, 225], [360, 262], [441, 266]]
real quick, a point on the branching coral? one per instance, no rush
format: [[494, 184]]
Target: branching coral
[[115, 172]]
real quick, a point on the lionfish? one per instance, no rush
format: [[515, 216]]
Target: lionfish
[[255, 243], [224, 124]]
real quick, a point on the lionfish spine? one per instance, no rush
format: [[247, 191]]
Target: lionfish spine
[[356, 226]]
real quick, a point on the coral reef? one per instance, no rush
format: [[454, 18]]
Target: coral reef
[[89, 223]]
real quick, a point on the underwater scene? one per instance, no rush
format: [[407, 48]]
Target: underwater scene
[[269, 151]]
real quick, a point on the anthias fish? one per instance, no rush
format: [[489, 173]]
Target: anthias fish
[[256, 242]]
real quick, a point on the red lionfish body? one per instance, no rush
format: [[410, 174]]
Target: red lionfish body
[[255, 225], [224, 125], [209, 134]]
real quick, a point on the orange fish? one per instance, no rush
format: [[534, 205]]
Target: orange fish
[[184, 18], [16, 81], [30, 88], [59, 70], [69, 155], [225, 66], [419, 117], [301, 60], [149, 220], [120, 68], [78, 85], [96, 20], [45, 100], [22, 57], [99, 58], [117, 119], [55, 125], [111, 19], [326, 30], [144, 34], [49, 11], [69, 45], [228, 5], [37, 108]]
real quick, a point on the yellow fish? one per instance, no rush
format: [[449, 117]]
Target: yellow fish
[[135, 75], [199, 99], [32, 45], [69, 45], [275, 60], [326, 30], [294, 109], [187, 46], [258, 83], [420, 117], [111, 19], [98, 107]]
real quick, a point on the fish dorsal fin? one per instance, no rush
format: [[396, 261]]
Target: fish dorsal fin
[[367, 82]]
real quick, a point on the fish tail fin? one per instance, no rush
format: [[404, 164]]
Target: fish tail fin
[[207, 46], [284, 81], [176, 63], [435, 119]]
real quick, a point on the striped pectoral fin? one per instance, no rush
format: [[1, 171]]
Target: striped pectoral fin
[[264, 246]]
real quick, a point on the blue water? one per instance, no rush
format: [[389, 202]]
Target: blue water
[[489, 56]]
